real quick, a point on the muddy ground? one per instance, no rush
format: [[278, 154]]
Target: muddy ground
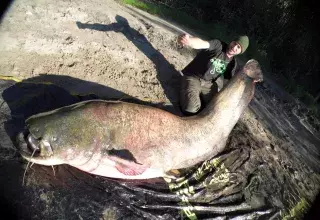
[[115, 52]]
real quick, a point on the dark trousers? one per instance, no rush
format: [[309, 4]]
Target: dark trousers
[[194, 92]]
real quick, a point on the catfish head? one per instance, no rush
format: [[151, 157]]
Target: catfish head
[[63, 136], [253, 70]]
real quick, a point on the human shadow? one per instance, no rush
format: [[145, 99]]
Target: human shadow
[[167, 75]]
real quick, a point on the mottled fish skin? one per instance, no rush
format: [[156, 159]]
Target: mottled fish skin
[[125, 140]]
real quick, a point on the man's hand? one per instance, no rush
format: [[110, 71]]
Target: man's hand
[[193, 42], [183, 39]]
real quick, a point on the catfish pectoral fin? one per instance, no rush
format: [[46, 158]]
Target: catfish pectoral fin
[[133, 170], [128, 167]]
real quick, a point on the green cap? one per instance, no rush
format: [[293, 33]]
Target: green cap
[[243, 41]]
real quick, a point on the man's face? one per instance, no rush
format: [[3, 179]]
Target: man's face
[[234, 48]]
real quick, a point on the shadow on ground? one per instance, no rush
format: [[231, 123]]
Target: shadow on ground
[[167, 75]]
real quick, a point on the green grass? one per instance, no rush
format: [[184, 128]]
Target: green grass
[[150, 8]]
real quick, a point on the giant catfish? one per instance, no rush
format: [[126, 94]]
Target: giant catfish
[[131, 141]]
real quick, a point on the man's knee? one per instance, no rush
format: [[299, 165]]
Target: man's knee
[[190, 107]]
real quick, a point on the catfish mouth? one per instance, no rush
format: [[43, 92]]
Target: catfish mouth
[[34, 149], [253, 70]]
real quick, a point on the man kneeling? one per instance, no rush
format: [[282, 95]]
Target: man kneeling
[[209, 71]]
